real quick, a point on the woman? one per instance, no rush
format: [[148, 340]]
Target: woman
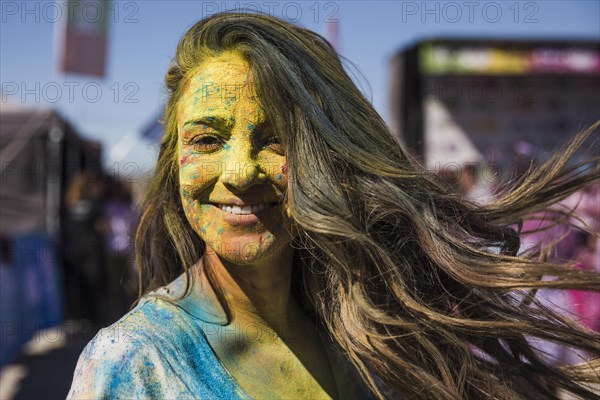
[[314, 259]]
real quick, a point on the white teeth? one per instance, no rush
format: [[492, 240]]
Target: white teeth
[[236, 210], [245, 210]]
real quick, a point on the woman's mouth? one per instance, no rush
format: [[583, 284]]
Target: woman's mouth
[[245, 210], [247, 215]]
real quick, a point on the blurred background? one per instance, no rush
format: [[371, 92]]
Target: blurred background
[[475, 90]]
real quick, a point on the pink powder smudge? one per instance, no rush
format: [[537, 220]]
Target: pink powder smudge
[[284, 168], [184, 159]]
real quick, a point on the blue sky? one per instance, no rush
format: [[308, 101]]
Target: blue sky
[[143, 36]]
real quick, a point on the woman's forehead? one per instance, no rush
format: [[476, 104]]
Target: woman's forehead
[[225, 70], [221, 86]]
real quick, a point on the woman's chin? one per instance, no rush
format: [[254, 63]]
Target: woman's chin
[[247, 251]]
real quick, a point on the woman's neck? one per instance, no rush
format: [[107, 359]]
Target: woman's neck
[[255, 293]]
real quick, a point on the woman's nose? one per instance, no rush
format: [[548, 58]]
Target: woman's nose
[[241, 169]]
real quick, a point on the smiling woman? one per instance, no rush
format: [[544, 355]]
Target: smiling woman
[[288, 248], [230, 164]]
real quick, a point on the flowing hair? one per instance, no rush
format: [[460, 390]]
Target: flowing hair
[[423, 291]]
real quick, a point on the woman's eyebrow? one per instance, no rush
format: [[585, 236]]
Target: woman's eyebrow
[[213, 121]]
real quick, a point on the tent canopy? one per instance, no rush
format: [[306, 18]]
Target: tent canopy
[[38, 149]]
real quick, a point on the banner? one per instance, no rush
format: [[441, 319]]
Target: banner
[[489, 60], [86, 37]]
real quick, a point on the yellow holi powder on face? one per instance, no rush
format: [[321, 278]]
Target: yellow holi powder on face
[[227, 151]]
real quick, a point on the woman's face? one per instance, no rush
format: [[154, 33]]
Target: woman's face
[[232, 166]]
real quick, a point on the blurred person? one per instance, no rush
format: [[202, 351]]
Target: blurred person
[[288, 248], [83, 247], [119, 218]]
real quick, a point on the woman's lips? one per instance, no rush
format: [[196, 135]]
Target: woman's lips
[[244, 215]]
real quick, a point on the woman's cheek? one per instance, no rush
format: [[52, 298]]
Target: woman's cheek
[[190, 177], [194, 172], [280, 173], [194, 179], [276, 168]]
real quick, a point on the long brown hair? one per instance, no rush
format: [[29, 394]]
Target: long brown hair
[[422, 290]]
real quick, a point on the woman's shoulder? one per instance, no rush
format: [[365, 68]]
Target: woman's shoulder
[[146, 325], [141, 355], [126, 358]]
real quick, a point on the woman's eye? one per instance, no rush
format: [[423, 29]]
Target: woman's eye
[[207, 144]]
